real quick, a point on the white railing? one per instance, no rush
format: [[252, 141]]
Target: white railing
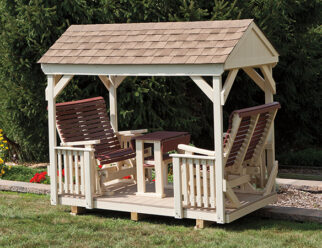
[[76, 173], [193, 181]]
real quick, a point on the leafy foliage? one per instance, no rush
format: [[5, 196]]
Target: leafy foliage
[[3, 150], [29, 28], [22, 173], [308, 157]]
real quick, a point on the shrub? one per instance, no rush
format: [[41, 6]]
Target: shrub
[[306, 157], [29, 28], [3, 150], [23, 174]]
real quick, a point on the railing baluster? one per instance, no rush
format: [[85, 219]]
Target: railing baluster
[[192, 182], [76, 173], [82, 173], [205, 183], [212, 184], [198, 183], [66, 169], [185, 182], [60, 176], [71, 179]]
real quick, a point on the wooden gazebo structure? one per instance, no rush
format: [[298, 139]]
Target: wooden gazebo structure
[[195, 49]]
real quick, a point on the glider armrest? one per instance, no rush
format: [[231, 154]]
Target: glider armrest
[[193, 149], [81, 143], [132, 133]]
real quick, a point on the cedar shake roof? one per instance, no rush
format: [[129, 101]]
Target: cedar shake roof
[[204, 42]]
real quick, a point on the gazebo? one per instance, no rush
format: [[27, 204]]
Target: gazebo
[[194, 49]]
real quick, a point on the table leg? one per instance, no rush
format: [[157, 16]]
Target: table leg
[[159, 187], [140, 175]]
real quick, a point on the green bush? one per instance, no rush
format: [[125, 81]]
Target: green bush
[[3, 151], [306, 157], [29, 28], [22, 173]]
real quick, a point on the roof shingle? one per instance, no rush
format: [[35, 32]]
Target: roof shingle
[[147, 43]]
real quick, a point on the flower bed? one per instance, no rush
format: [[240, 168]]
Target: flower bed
[[24, 174], [3, 148]]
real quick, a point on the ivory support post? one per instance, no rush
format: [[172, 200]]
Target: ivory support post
[[113, 107], [52, 80], [218, 132], [270, 153], [112, 83]]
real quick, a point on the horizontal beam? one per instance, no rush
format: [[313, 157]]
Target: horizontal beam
[[135, 70], [204, 86], [189, 148], [176, 155]]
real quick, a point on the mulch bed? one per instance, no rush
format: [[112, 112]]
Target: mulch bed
[[291, 197]]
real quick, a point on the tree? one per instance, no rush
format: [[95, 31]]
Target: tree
[[29, 28]]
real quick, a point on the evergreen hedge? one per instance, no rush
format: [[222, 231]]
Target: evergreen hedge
[[29, 28]]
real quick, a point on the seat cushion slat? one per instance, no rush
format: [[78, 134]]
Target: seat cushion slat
[[257, 133], [87, 120]]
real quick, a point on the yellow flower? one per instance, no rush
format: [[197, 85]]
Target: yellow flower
[[7, 148], [2, 145], [1, 161], [0, 130], [2, 171], [1, 138], [5, 141]]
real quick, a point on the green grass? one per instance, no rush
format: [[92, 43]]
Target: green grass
[[21, 173], [28, 220]]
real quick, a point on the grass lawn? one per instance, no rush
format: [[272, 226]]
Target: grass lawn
[[28, 220]]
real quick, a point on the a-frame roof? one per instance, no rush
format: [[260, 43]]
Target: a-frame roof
[[203, 42]]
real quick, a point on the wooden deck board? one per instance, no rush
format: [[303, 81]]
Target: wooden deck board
[[125, 199]]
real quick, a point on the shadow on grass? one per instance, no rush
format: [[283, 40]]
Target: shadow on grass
[[248, 222]]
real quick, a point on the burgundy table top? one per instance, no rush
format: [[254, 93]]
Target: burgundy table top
[[161, 135]]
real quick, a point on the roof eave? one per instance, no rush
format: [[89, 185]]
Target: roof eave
[[134, 69]]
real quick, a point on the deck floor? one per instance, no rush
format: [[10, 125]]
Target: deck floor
[[125, 192], [125, 199]]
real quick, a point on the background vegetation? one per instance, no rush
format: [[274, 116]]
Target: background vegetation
[[23, 174], [29, 28]]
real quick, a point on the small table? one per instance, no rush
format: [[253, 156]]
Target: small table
[[163, 142]]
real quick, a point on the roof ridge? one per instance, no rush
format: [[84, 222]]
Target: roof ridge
[[164, 25], [126, 23]]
